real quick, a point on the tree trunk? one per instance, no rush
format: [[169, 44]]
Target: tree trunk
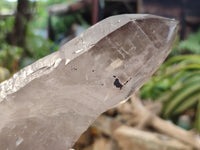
[[23, 16]]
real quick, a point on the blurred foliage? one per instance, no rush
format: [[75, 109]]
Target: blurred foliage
[[42, 13], [197, 118], [191, 45], [12, 58], [63, 25], [9, 55], [177, 85], [6, 7], [4, 74], [51, 2], [36, 44]]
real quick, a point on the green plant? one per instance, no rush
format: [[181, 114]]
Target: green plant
[[9, 55], [191, 45], [37, 46], [177, 85], [4, 74]]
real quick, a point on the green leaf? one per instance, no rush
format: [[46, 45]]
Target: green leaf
[[187, 103], [197, 118], [179, 96]]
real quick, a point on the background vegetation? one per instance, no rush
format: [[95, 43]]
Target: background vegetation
[[14, 56]]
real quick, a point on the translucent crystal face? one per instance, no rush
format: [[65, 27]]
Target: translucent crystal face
[[50, 103]]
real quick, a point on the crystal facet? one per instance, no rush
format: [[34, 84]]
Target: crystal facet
[[49, 104]]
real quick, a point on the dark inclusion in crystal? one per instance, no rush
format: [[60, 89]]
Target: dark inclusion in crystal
[[117, 83]]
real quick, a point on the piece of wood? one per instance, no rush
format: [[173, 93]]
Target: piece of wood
[[102, 144], [170, 129], [132, 138], [84, 140], [103, 124], [145, 118]]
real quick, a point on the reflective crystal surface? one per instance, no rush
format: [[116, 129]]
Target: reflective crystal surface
[[49, 104]]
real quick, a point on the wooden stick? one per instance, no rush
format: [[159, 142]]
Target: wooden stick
[[166, 127]]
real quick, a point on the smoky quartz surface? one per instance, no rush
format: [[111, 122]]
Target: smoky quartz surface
[[49, 104]]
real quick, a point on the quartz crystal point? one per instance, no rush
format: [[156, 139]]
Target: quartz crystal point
[[49, 104]]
